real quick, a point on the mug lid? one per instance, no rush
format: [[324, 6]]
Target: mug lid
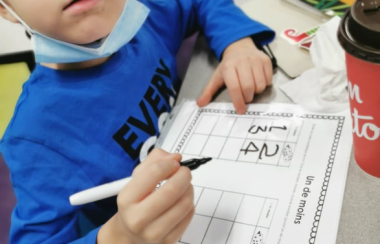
[[367, 14], [359, 31]]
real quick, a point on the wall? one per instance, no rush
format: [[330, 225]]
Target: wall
[[12, 37]]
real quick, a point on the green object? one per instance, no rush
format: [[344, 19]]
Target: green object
[[329, 7], [12, 77]]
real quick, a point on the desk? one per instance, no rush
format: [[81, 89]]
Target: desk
[[360, 216]]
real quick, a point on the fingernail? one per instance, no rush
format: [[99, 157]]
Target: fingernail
[[241, 111], [176, 164]]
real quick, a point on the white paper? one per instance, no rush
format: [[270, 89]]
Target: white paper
[[277, 175]]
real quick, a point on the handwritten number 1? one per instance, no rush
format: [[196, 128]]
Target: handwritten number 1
[[277, 127]]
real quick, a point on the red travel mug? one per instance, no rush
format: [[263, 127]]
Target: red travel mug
[[359, 35]]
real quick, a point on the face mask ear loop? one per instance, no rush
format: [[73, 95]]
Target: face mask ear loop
[[28, 29]]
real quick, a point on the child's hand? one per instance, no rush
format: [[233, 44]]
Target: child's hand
[[146, 215], [245, 71]]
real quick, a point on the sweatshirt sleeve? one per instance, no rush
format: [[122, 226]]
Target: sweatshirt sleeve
[[43, 180], [223, 23]]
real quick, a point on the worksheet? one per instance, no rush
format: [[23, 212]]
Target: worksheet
[[277, 175]]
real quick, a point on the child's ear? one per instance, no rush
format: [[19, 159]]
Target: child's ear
[[7, 15]]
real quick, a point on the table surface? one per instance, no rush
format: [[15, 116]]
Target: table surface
[[360, 216]]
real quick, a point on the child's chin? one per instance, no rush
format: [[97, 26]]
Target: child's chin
[[89, 40], [97, 39]]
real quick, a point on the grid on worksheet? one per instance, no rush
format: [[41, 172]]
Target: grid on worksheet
[[244, 139], [224, 217]]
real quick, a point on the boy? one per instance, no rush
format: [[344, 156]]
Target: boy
[[104, 83]]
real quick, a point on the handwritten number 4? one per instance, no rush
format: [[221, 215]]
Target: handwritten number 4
[[248, 149]]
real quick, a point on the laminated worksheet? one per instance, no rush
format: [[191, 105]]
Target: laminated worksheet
[[277, 175]]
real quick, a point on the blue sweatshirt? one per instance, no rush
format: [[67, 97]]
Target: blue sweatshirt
[[73, 130]]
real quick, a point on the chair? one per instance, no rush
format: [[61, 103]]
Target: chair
[[14, 71]]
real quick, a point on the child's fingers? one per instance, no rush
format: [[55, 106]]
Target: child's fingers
[[233, 86], [162, 199], [260, 80], [246, 81], [154, 155], [178, 231], [146, 181], [152, 158], [268, 70], [211, 88], [164, 224]]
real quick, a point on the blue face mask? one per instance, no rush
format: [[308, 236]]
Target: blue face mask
[[49, 50]]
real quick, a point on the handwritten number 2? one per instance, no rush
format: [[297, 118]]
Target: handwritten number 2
[[265, 147]]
